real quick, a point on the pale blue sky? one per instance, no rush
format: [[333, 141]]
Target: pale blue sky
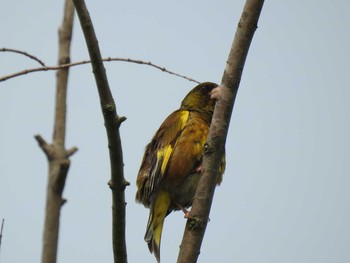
[[285, 194]]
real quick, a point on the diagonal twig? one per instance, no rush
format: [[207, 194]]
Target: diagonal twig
[[23, 53]]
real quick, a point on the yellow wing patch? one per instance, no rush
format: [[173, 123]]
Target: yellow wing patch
[[164, 142], [184, 118], [164, 155]]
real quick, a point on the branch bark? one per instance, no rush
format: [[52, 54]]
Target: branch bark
[[56, 152], [112, 123], [215, 146]]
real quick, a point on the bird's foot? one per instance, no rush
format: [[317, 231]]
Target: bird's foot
[[216, 92], [199, 169], [184, 210], [187, 214]]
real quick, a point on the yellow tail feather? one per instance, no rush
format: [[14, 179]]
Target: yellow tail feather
[[155, 223]]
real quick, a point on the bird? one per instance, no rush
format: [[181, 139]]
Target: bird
[[171, 165]]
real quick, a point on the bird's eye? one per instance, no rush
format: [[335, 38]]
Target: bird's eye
[[204, 89]]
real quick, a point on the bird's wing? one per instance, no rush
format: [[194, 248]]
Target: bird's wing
[[158, 153]]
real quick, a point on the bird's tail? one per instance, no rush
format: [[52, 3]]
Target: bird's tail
[[155, 223]]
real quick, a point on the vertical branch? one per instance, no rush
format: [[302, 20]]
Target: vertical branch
[[112, 124], [2, 227], [65, 37], [57, 155], [215, 146]]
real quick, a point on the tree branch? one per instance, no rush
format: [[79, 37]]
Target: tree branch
[[56, 152], [109, 59], [112, 122], [1, 229], [215, 147], [23, 53]]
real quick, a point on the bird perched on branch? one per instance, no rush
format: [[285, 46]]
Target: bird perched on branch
[[171, 166]]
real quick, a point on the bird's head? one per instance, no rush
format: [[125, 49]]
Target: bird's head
[[201, 97]]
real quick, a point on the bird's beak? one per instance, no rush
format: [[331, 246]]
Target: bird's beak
[[215, 93]]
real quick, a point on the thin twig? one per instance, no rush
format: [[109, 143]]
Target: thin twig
[[2, 227], [109, 59], [23, 53]]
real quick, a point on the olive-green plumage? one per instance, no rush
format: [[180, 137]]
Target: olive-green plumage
[[171, 166]]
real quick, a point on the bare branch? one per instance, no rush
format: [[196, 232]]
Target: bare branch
[[197, 222], [109, 59], [56, 152], [112, 123], [2, 227], [23, 53]]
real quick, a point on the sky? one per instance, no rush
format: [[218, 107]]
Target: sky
[[284, 197]]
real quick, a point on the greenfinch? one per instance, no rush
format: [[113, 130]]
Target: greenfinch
[[171, 165]]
